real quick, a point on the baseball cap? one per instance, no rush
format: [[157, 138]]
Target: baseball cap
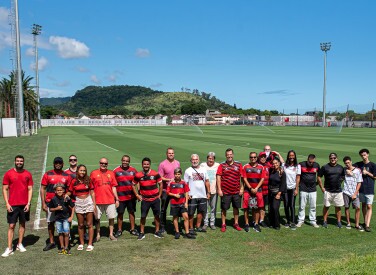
[[58, 160], [262, 154]]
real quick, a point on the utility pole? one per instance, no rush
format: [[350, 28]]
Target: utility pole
[[372, 112], [324, 47], [35, 31]]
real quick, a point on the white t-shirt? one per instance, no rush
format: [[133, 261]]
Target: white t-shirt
[[212, 171], [196, 182], [291, 173]]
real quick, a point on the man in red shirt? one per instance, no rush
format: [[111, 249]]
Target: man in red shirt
[[106, 196], [49, 179], [17, 192], [230, 190], [127, 198], [253, 178], [150, 193]]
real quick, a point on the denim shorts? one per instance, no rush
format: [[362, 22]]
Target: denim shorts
[[62, 226], [367, 199]]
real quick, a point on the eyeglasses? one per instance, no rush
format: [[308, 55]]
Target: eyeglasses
[[103, 163], [73, 160], [253, 157]]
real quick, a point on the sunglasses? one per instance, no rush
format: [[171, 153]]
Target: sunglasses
[[253, 157], [103, 163], [73, 160]]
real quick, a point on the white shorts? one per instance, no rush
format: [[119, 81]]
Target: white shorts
[[333, 198], [109, 209], [367, 199], [84, 206]]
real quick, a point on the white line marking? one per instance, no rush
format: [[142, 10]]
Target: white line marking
[[39, 203], [117, 130], [107, 146]]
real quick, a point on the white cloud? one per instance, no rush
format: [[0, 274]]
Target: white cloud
[[30, 52], [4, 15], [142, 53], [95, 79], [69, 48], [42, 64]]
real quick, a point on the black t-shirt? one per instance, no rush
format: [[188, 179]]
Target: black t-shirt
[[277, 183], [308, 176], [368, 184], [61, 214], [334, 176]]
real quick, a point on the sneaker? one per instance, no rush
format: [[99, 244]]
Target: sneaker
[[112, 238], [158, 234], [49, 246], [223, 228], [277, 228], [325, 224], [21, 248], [263, 224], [299, 224], [367, 229], [200, 229], [348, 226], [287, 225], [293, 226], [204, 228], [192, 232], [141, 236], [315, 225], [246, 227], [339, 224], [256, 227], [68, 252], [118, 234], [162, 230], [61, 251], [359, 228], [190, 236], [177, 235], [134, 232], [212, 227], [7, 252], [237, 227]]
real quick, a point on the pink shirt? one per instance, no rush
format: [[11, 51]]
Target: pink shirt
[[166, 170]]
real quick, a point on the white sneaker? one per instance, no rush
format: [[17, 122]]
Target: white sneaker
[[299, 224], [21, 248], [7, 252], [315, 225]]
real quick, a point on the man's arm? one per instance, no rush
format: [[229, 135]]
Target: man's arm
[[220, 193], [6, 199], [114, 191], [207, 185], [29, 196], [43, 189]]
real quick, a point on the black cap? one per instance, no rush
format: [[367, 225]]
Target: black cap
[[58, 160]]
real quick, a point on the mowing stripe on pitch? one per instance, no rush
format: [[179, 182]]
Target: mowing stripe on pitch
[[107, 146]]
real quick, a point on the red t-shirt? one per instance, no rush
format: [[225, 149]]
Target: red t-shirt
[[178, 188], [265, 184], [149, 189], [230, 177], [52, 177], [253, 174], [124, 179], [78, 188], [18, 183], [103, 183]]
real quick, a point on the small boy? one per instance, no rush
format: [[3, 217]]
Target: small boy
[[63, 209], [178, 190]]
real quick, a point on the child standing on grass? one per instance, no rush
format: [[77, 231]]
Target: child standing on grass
[[178, 190], [63, 216]]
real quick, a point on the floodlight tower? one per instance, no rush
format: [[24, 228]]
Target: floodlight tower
[[324, 47], [35, 31]]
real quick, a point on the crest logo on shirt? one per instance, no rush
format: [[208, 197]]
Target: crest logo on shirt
[[152, 177]]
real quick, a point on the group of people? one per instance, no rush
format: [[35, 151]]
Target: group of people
[[266, 180]]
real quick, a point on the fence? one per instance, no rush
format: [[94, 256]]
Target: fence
[[103, 122]]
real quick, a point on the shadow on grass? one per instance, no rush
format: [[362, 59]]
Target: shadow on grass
[[28, 240]]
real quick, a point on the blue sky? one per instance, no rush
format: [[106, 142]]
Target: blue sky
[[255, 54]]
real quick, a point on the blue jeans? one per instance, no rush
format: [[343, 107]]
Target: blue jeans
[[62, 226]]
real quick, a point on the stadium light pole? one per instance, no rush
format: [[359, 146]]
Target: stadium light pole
[[324, 47], [35, 31]]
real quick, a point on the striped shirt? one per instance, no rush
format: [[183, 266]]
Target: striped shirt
[[178, 188], [124, 179], [351, 181], [230, 177], [52, 177], [149, 182], [265, 183], [253, 174], [79, 188]]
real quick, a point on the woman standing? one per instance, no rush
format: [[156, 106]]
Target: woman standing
[[83, 189], [293, 171], [277, 187]]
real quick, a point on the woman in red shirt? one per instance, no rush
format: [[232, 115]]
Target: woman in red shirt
[[82, 188]]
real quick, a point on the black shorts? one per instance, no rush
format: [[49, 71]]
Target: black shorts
[[226, 200], [154, 205], [177, 210], [129, 204], [266, 199], [200, 204], [18, 213]]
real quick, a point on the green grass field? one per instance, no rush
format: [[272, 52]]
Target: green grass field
[[306, 250]]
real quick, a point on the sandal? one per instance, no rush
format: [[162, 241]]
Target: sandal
[[89, 248], [80, 247]]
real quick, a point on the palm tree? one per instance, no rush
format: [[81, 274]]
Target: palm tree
[[6, 97]]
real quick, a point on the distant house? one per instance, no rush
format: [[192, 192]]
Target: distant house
[[209, 112], [112, 117], [177, 120]]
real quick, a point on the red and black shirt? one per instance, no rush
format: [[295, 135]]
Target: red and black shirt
[[124, 178], [148, 182], [178, 188]]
